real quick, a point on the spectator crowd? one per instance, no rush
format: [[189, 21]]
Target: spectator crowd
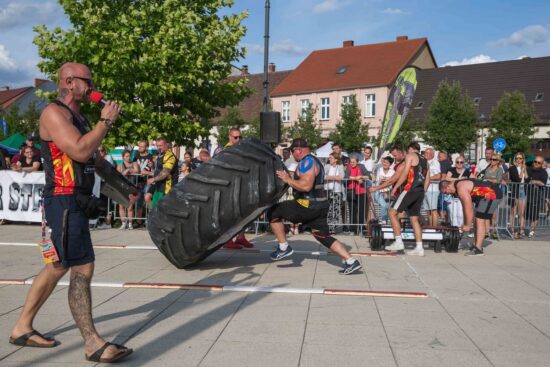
[[349, 178]]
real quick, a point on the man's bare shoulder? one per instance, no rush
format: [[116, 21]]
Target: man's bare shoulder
[[53, 117]]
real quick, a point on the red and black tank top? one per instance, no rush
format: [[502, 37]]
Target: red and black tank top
[[416, 176], [483, 190], [65, 176]]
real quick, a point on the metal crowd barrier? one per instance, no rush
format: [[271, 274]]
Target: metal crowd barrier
[[526, 205]]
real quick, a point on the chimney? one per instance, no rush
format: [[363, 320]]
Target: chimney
[[271, 67], [39, 82], [401, 38], [348, 43], [244, 70], [4, 88]]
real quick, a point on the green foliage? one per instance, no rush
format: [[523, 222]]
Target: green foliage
[[25, 122], [231, 119], [350, 132], [451, 121], [253, 130], [513, 119], [407, 133], [306, 128], [166, 60]]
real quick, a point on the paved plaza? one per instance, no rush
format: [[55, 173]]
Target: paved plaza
[[482, 311]]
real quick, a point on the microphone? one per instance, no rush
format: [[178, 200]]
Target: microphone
[[97, 98]]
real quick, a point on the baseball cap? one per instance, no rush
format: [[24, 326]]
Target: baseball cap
[[298, 143]]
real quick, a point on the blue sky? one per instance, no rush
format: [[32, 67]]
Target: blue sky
[[458, 31]]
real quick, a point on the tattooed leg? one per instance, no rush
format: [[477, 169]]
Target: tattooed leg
[[80, 302]]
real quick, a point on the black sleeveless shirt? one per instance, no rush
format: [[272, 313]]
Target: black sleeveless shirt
[[65, 176], [316, 197]]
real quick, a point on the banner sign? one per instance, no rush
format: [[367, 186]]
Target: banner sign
[[399, 103], [20, 195]]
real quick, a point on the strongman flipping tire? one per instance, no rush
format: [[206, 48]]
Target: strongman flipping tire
[[310, 207], [486, 196]]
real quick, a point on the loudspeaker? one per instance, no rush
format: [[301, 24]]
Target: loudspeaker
[[270, 127]]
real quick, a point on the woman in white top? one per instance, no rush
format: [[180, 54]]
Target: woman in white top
[[334, 174], [382, 197]]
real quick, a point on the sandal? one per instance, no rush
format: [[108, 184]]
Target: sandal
[[96, 356], [25, 341]]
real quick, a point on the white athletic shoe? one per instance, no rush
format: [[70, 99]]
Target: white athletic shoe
[[130, 226], [418, 251], [123, 226], [395, 247]]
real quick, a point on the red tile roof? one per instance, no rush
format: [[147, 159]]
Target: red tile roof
[[251, 106], [368, 65], [8, 97]]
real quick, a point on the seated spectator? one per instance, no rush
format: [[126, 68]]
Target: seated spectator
[[28, 162], [30, 143], [18, 155]]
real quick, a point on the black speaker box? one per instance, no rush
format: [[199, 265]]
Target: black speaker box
[[270, 127]]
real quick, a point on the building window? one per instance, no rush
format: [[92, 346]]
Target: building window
[[304, 105], [477, 100], [370, 106], [419, 105], [286, 111], [325, 108], [346, 100], [342, 70], [539, 97]]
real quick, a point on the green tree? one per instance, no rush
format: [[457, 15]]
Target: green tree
[[168, 61], [408, 133], [513, 119], [350, 131], [231, 119], [451, 121], [253, 129], [23, 122], [306, 128]]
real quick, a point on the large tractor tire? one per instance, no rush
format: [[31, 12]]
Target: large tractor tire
[[215, 202]]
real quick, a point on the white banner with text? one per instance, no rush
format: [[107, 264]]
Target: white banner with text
[[20, 195]]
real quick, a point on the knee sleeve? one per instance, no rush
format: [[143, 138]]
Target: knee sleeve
[[324, 238]]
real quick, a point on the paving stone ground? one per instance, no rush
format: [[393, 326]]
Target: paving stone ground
[[482, 311]]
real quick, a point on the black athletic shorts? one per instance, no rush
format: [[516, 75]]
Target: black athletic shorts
[[292, 211], [486, 208], [410, 201], [70, 230]]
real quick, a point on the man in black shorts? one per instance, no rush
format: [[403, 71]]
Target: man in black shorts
[[309, 207], [486, 196], [416, 181], [68, 146]]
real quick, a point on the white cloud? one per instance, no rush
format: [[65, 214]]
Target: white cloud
[[330, 5], [17, 13], [287, 47], [6, 62], [479, 59], [528, 36], [253, 48], [393, 11]]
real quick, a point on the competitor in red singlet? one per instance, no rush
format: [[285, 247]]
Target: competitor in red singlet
[[413, 175], [486, 196]]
